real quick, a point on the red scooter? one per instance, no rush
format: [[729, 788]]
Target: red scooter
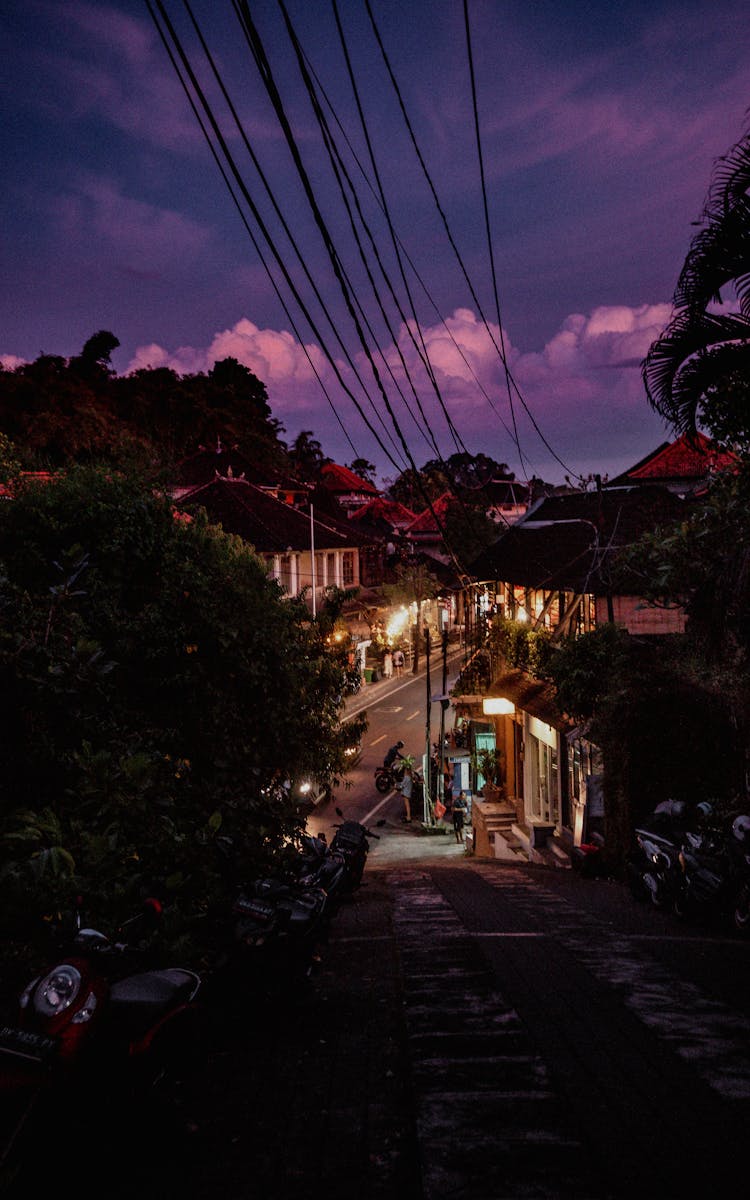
[[88, 1029]]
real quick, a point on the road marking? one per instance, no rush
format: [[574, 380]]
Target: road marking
[[380, 739], [414, 714], [366, 819]]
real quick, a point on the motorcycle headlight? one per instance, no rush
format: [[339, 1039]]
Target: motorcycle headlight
[[57, 990]]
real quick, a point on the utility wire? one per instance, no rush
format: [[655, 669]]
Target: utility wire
[[339, 169], [274, 95], [487, 228], [452, 240], [420, 349], [262, 225], [252, 237]]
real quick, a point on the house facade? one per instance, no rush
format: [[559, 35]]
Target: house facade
[[301, 552], [552, 570]]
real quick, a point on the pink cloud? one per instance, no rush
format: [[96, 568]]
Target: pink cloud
[[148, 237]]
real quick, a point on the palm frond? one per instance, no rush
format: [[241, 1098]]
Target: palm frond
[[689, 333]]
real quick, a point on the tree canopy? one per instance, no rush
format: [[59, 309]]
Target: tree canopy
[[59, 411], [156, 693], [703, 344]]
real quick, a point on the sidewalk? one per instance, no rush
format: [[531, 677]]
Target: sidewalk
[[371, 692]]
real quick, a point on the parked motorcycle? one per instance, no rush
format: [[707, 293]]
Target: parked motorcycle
[[653, 867], [352, 842], [323, 867], [715, 875], [91, 1029], [279, 927], [388, 778]]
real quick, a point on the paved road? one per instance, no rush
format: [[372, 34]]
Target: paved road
[[476, 1030], [483, 1031]]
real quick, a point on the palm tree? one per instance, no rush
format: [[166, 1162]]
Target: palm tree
[[699, 347]]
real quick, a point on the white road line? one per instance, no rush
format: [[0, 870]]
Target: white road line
[[416, 713], [366, 819], [380, 739]]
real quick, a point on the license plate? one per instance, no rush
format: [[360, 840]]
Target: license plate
[[23, 1044], [253, 908]]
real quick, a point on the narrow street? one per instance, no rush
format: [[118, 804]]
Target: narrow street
[[476, 1029], [483, 1031]]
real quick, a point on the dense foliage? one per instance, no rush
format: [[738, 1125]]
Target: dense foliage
[[59, 410], [156, 693], [704, 345]]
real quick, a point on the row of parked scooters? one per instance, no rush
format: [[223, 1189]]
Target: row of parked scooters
[[99, 1022], [686, 861]]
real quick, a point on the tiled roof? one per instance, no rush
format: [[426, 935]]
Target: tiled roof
[[382, 513], [269, 525], [208, 463], [425, 521], [341, 479], [566, 541], [688, 458]]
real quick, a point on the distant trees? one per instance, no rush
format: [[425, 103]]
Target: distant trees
[[307, 457], [459, 473], [61, 410], [363, 468]]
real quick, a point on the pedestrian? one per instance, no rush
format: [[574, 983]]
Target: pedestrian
[[406, 787], [393, 754], [459, 812], [387, 664], [398, 661]]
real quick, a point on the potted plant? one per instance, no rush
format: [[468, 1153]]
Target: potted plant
[[489, 763]]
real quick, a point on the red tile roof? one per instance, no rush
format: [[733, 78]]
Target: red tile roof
[[689, 457], [341, 479], [425, 522], [379, 510]]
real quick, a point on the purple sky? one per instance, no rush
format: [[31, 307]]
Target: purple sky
[[600, 125]]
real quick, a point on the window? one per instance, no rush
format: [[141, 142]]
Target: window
[[347, 568]]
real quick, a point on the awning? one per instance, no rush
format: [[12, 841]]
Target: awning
[[531, 695]]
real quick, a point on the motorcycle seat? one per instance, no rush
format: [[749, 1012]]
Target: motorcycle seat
[[152, 991]]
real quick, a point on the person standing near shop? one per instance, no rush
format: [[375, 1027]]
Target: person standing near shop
[[406, 788], [398, 661], [459, 815], [387, 665]]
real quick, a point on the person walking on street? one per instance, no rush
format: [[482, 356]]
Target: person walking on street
[[459, 814], [398, 662], [387, 665], [406, 787]]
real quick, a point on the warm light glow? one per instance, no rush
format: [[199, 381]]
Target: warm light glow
[[522, 615], [497, 706], [397, 624]]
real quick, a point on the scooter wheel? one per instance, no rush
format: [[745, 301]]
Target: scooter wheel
[[741, 913], [382, 783]]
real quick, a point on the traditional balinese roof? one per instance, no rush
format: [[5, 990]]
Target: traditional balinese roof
[[209, 463], [383, 516], [425, 522], [502, 491], [267, 524], [341, 480], [567, 542], [687, 461]]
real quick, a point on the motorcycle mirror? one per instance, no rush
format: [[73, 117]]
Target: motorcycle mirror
[[338, 811]]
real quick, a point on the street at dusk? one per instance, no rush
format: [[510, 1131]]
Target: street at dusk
[[374, 594]]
